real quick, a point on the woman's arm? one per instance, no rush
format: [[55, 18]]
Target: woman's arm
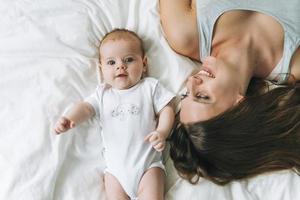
[[178, 18]]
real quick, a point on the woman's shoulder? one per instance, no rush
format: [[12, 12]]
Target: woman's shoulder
[[295, 67]]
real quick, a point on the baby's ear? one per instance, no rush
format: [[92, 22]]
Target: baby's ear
[[145, 62], [100, 64]]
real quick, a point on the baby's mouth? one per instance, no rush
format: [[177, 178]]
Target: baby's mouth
[[121, 75]]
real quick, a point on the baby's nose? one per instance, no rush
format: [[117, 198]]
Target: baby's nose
[[121, 66]]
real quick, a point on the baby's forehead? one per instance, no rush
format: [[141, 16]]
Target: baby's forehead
[[116, 36], [121, 36], [120, 44]]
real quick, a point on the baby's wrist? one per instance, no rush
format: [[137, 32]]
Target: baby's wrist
[[162, 134]]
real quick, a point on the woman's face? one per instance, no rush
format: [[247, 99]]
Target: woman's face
[[210, 91]]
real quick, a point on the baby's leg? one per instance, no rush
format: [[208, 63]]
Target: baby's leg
[[152, 185], [113, 188]]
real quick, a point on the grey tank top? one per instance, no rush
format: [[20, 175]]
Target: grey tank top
[[286, 12]]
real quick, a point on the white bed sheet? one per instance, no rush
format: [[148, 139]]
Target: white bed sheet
[[48, 59]]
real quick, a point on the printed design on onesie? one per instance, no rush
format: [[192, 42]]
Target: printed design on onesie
[[123, 111]]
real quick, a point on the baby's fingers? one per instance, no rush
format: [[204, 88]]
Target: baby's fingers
[[153, 136], [63, 124], [60, 128], [147, 138], [153, 140], [72, 124], [63, 121], [159, 147]]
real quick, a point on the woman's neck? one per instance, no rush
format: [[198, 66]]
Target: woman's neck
[[248, 53], [247, 38], [240, 55]]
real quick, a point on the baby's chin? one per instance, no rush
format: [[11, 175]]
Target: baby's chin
[[123, 86]]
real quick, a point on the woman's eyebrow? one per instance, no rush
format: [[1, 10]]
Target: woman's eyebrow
[[195, 99]]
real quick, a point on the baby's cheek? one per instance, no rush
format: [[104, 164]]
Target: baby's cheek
[[137, 72]]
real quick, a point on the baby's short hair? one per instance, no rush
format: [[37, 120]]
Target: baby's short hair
[[122, 33]]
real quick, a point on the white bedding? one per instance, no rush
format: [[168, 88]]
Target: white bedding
[[48, 59]]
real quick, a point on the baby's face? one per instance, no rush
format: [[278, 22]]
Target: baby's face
[[122, 63]]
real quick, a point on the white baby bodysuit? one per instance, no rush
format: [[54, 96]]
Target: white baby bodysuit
[[126, 117]]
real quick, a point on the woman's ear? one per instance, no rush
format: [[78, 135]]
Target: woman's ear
[[239, 99]]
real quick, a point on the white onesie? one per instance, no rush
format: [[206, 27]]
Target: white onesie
[[126, 117]]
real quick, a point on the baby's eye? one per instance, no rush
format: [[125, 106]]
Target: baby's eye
[[128, 60], [110, 62]]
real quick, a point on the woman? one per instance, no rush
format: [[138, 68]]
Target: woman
[[225, 134]]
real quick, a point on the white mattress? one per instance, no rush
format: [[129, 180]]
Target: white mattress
[[48, 59]]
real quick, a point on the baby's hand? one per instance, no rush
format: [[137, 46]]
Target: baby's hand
[[157, 141], [63, 124]]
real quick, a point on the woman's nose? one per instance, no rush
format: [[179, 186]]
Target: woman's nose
[[196, 80], [193, 84]]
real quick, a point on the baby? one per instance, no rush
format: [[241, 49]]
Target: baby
[[136, 117]]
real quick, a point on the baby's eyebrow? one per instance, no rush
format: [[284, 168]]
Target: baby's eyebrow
[[130, 55], [109, 58]]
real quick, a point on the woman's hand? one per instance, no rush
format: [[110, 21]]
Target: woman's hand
[[157, 140], [63, 124]]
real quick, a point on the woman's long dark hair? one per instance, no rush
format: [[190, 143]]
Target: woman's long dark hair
[[259, 135]]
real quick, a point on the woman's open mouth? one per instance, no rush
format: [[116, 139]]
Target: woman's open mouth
[[206, 72]]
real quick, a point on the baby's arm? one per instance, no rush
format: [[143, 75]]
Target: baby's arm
[[78, 113], [165, 124]]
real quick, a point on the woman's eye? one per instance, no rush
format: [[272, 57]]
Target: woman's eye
[[111, 62], [128, 60], [182, 96], [202, 96]]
